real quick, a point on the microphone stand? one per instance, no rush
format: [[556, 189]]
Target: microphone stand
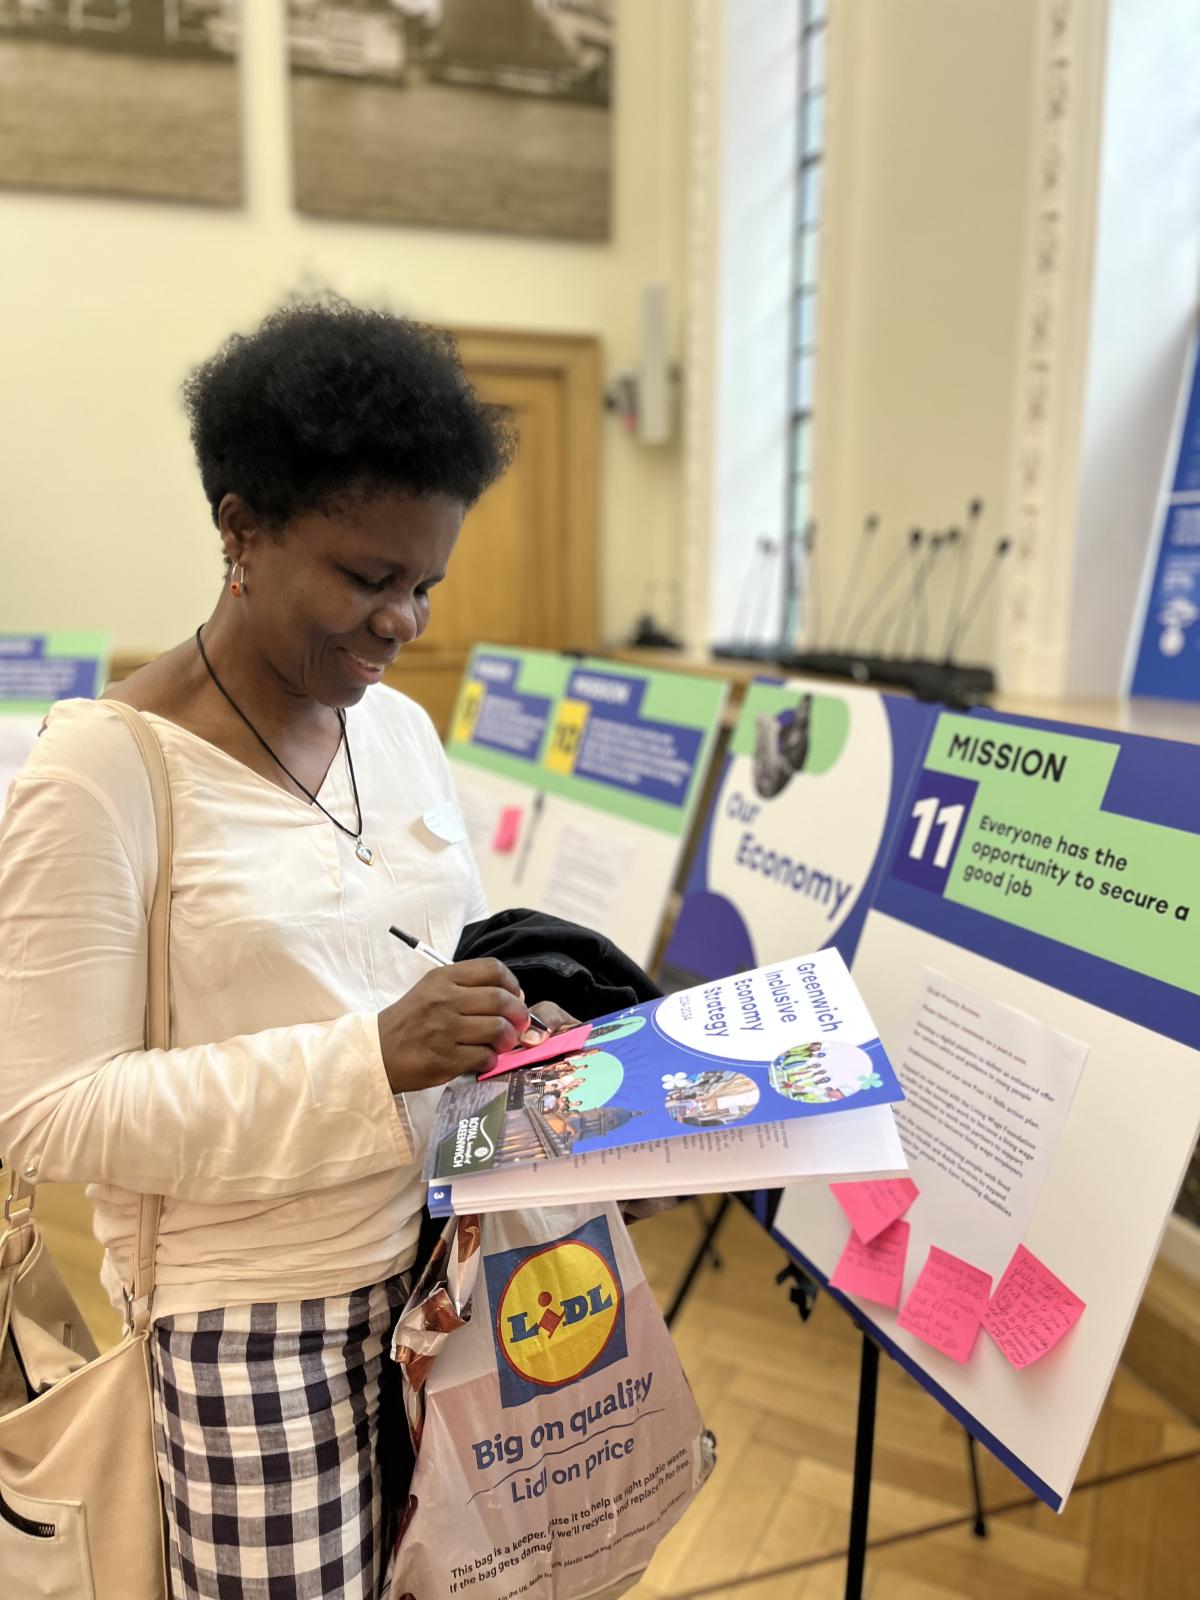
[[962, 567], [971, 610], [898, 607], [857, 565]]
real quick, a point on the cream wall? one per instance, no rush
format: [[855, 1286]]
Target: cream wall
[[1111, 292], [108, 302], [922, 257], [921, 272]]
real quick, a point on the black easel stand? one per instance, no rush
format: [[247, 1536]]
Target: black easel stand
[[802, 1291], [703, 1249], [710, 1251], [772, 1198], [864, 1450], [980, 1529]]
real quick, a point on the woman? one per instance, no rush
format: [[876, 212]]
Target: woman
[[313, 807]]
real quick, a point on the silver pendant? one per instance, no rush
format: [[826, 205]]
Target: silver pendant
[[365, 854]]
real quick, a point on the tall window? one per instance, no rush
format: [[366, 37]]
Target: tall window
[[810, 148]]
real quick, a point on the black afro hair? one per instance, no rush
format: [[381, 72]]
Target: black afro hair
[[325, 398]]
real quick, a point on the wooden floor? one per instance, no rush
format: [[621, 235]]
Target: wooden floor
[[780, 1396]]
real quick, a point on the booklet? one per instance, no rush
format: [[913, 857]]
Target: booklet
[[788, 1042], [771, 1155]]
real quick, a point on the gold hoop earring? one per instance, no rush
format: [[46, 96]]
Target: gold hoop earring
[[237, 585]]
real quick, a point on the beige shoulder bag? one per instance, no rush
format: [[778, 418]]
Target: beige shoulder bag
[[80, 1505]]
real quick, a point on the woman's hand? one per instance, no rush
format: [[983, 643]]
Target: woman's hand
[[453, 1020], [555, 1018]]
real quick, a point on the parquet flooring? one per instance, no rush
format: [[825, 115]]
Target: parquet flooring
[[780, 1396]]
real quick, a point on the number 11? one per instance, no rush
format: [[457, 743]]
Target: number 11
[[947, 818]]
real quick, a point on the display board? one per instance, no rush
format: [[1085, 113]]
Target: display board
[[578, 780], [1032, 958], [1167, 652], [35, 671], [808, 797]]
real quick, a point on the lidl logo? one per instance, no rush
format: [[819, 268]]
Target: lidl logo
[[557, 1312]]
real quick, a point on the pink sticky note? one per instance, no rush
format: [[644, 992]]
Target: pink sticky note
[[874, 1271], [508, 828], [551, 1049], [1030, 1310], [947, 1303], [874, 1204]]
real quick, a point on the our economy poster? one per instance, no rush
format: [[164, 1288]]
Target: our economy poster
[[1032, 958], [796, 836]]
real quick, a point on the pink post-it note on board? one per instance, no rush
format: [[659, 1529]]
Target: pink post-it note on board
[[530, 1055], [947, 1303], [874, 1271], [508, 828], [1030, 1310], [874, 1204]]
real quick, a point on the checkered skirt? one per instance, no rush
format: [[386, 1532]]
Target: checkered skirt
[[267, 1431]]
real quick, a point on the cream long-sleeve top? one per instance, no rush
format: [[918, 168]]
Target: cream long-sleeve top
[[288, 1168]]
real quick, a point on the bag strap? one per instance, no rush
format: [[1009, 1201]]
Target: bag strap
[[158, 994]]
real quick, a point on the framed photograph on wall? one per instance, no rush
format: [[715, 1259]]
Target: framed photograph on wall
[[483, 114], [121, 97]]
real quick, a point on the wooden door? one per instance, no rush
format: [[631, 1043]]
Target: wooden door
[[525, 571]]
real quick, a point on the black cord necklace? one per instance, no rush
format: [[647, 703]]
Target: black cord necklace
[[363, 851]]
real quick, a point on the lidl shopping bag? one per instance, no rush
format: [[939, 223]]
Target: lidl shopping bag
[[556, 1437]]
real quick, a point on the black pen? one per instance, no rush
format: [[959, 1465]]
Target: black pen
[[431, 954]]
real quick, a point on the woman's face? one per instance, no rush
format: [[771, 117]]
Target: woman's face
[[334, 596]]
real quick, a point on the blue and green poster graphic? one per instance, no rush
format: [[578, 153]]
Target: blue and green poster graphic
[[36, 669], [579, 779], [1167, 663], [1067, 853], [796, 835], [621, 739], [1043, 881]]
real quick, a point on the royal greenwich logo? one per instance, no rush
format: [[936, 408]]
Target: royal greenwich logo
[[470, 1146], [558, 1312]]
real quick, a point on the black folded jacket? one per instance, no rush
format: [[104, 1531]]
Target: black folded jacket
[[577, 968]]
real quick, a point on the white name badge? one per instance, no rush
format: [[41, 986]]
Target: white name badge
[[445, 822]]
